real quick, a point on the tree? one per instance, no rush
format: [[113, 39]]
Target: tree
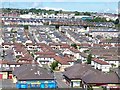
[[26, 27], [56, 12], [87, 13], [86, 51], [57, 26], [89, 59], [77, 13], [74, 45], [54, 65], [116, 21]]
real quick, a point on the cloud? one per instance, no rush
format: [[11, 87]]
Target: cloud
[[56, 9], [36, 5]]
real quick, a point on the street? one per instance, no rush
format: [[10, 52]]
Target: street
[[59, 80]]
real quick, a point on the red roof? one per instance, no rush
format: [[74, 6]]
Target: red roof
[[65, 46], [117, 45], [102, 45], [3, 62], [62, 45], [100, 61], [109, 45], [30, 44], [68, 59], [84, 44], [61, 60], [45, 53], [41, 44], [46, 56], [74, 50]]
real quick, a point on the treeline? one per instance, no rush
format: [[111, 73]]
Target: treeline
[[43, 11]]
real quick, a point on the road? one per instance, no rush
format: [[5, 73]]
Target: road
[[59, 80]]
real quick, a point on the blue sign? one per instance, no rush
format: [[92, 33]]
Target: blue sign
[[36, 84], [42, 85], [24, 86]]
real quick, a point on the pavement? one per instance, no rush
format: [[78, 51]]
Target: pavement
[[59, 79], [7, 84]]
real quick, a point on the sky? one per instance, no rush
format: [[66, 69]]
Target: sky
[[108, 6]]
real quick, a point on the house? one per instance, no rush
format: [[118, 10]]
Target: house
[[13, 64], [63, 62], [83, 46], [33, 76], [59, 46], [7, 68], [72, 51], [83, 57], [54, 46], [44, 57], [110, 55], [100, 65], [75, 53], [105, 32], [7, 45], [3, 63], [113, 60], [22, 55], [86, 77], [5, 71], [31, 47]]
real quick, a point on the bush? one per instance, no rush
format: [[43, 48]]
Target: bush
[[25, 26], [74, 45], [54, 65], [89, 59]]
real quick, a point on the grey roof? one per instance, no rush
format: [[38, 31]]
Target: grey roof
[[90, 75], [32, 72]]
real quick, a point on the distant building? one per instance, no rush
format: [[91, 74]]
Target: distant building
[[84, 17]]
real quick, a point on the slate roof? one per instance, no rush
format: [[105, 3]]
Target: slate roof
[[89, 75], [32, 72]]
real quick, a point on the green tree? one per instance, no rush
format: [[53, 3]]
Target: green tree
[[116, 21], [26, 27], [56, 12], [74, 45], [86, 51], [89, 59], [77, 13], [54, 65], [87, 13]]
